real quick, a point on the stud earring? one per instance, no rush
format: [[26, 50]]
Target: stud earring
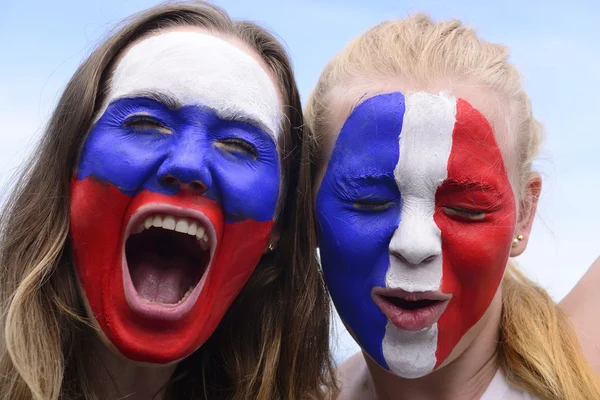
[[271, 247], [516, 240]]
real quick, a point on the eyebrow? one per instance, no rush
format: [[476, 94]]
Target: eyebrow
[[366, 178], [171, 103], [159, 97], [470, 184]]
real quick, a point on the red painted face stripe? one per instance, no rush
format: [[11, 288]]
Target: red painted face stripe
[[475, 252], [99, 214]]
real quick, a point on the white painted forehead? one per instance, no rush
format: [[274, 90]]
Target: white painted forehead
[[195, 68]]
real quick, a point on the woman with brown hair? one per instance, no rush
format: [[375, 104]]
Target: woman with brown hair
[[153, 247], [424, 142]]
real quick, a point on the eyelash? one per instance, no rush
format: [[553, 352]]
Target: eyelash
[[466, 214], [144, 122], [372, 205], [237, 145]]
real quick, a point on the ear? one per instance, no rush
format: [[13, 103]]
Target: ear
[[527, 210]]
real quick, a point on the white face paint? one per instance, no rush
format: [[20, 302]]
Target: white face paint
[[425, 144], [415, 205], [195, 68]]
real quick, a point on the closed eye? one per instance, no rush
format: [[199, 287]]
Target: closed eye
[[146, 123], [236, 145], [464, 214], [372, 205]]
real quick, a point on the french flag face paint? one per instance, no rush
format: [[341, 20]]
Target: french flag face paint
[[175, 192], [415, 221]]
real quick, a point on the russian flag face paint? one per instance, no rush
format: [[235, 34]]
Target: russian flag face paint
[[175, 192], [415, 221]]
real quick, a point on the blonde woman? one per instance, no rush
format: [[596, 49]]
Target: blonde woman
[[152, 248], [424, 142]]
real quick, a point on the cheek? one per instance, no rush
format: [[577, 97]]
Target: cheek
[[475, 256], [354, 253], [247, 189]]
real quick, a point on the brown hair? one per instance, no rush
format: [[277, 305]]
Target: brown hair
[[282, 350], [539, 350]]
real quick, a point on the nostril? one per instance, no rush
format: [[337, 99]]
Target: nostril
[[197, 186], [413, 260], [429, 259], [399, 256], [169, 180]]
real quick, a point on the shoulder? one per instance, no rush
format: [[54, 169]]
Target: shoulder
[[352, 378], [581, 304]]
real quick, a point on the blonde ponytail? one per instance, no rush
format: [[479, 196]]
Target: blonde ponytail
[[539, 350]]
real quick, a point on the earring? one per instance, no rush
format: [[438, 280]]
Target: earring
[[271, 247], [516, 240]]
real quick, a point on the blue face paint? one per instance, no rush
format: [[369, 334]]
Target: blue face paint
[[242, 177], [358, 210], [133, 165]]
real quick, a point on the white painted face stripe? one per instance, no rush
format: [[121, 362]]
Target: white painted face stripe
[[410, 354], [194, 68], [425, 145]]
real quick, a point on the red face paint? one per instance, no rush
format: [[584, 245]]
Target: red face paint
[[100, 213], [475, 252]]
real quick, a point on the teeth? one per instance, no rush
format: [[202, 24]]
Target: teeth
[[169, 223], [182, 225], [185, 296], [200, 232], [192, 229], [202, 243]]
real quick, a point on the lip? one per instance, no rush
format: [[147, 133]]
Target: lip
[[157, 311], [410, 320]]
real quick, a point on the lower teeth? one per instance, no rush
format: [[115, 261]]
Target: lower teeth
[[185, 296]]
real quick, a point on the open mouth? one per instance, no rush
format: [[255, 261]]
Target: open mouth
[[167, 257], [411, 305], [411, 311]]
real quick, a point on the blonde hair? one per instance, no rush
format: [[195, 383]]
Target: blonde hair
[[45, 351], [539, 350]]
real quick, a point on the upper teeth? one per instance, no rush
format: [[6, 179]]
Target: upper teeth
[[183, 225]]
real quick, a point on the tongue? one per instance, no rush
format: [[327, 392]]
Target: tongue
[[161, 280]]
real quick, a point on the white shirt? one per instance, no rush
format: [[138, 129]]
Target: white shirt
[[500, 389]]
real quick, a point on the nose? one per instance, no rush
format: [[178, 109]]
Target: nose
[[417, 240], [196, 186], [186, 169]]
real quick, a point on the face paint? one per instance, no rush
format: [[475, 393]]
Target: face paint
[[186, 141], [415, 208]]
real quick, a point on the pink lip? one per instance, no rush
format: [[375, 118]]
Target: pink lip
[[158, 311], [410, 320]]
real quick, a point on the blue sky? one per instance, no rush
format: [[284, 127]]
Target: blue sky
[[554, 45]]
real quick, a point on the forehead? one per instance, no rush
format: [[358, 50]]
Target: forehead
[[196, 68], [414, 137], [486, 101]]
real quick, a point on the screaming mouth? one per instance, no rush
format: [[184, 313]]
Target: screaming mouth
[[167, 257]]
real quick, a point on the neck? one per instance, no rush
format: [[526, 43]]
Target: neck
[[123, 378], [467, 376]]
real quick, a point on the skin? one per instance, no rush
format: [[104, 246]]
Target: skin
[[470, 367], [123, 377], [581, 305]]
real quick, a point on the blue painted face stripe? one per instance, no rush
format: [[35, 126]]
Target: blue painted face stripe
[[134, 158], [358, 210]]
